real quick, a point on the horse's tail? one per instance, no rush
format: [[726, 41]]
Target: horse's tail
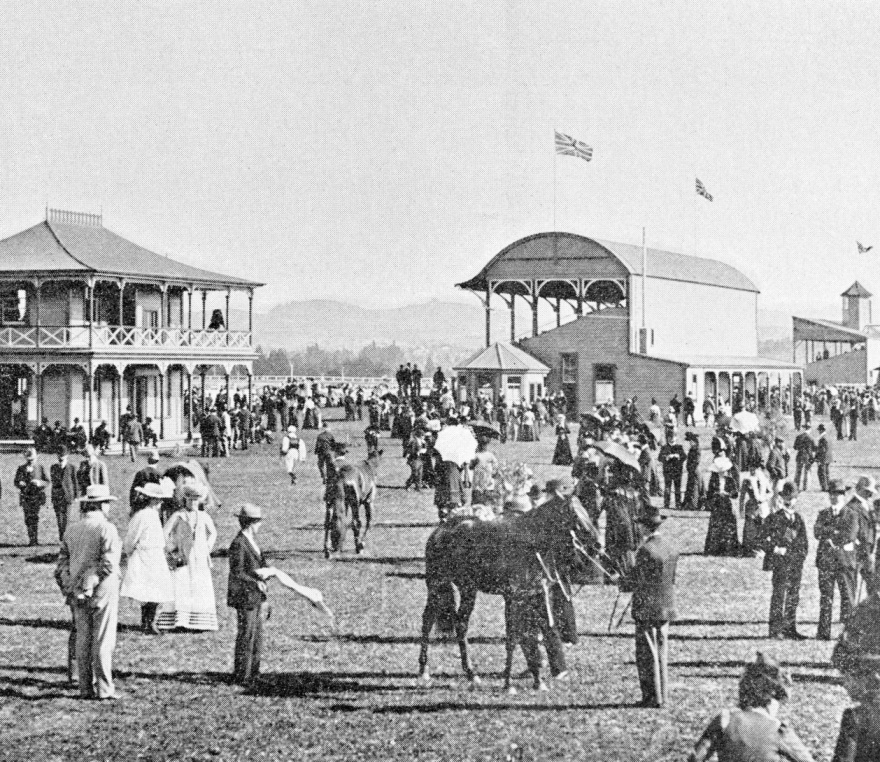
[[441, 590]]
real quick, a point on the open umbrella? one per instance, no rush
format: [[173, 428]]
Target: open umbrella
[[456, 444], [485, 429], [619, 452], [745, 422], [832, 390], [389, 396]]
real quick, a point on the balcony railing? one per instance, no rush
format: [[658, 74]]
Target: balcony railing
[[120, 336]]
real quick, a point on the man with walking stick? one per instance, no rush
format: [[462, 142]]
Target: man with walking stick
[[652, 582]]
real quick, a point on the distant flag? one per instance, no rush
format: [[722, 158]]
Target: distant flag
[[701, 191], [863, 249], [568, 146]]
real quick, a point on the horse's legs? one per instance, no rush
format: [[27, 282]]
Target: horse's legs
[[356, 525], [462, 619], [328, 518], [429, 616], [511, 636]]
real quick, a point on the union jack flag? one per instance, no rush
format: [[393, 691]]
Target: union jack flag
[[568, 146], [863, 249], [701, 191]]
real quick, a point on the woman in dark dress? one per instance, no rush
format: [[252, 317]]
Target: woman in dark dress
[[562, 454], [694, 489], [721, 537]]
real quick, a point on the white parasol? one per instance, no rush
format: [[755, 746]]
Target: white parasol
[[456, 444], [745, 422], [311, 594], [832, 390]]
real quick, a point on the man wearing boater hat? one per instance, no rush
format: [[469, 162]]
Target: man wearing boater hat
[[88, 574], [652, 581], [837, 532]]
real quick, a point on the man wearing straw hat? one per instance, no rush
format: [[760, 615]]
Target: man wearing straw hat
[[88, 574], [246, 593], [652, 581]]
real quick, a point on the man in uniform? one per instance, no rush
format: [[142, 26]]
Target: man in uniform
[[785, 549], [652, 581], [836, 531]]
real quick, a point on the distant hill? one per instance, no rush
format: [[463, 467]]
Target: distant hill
[[337, 325]]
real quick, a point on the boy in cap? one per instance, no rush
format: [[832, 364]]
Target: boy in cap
[[836, 530], [88, 575], [785, 548], [246, 593]]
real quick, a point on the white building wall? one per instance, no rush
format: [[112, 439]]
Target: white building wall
[[695, 319]]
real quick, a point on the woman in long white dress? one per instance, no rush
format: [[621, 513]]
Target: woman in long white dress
[[147, 577], [189, 537]]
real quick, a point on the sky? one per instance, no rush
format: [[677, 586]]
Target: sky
[[380, 152]]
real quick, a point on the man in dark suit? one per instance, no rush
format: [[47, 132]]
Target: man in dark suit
[[65, 489], [652, 581], [836, 530], [804, 450], [246, 592], [324, 450], [777, 464], [672, 457], [31, 480], [824, 457], [785, 550], [864, 504]]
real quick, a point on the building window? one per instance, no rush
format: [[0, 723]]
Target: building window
[[151, 319], [603, 378], [569, 368], [12, 307]]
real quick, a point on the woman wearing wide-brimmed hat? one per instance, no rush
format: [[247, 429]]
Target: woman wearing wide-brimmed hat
[[752, 733], [189, 537], [721, 536], [147, 577]]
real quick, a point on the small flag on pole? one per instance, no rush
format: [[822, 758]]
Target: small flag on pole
[[863, 249], [568, 146], [701, 191]]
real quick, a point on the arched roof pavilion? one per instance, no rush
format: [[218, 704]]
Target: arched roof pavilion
[[585, 273]]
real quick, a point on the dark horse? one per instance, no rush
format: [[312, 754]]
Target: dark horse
[[353, 486], [516, 556]]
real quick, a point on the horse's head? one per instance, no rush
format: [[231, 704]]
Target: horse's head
[[566, 527]]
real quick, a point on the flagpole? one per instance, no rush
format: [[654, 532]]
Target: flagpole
[[644, 284], [554, 181]]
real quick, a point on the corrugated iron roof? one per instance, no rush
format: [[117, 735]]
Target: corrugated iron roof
[[58, 247], [857, 289], [501, 356], [813, 329], [561, 248]]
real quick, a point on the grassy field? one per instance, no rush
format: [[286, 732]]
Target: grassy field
[[351, 693]]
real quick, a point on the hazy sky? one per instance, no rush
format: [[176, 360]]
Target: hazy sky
[[379, 152]]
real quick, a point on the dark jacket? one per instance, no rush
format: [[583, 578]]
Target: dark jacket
[[776, 464], [65, 486], [804, 447], [824, 451], [243, 589], [780, 532], [653, 581], [833, 533], [31, 494]]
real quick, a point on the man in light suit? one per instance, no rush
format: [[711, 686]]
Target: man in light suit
[[88, 575], [837, 532], [652, 581]]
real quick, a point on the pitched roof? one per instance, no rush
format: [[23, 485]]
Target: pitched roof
[[58, 247], [813, 329], [561, 255], [502, 356], [857, 289]]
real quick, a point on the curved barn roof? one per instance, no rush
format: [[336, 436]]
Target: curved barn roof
[[567, 255], [72, 248]]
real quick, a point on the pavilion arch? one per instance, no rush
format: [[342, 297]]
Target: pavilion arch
[[605, 293]]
